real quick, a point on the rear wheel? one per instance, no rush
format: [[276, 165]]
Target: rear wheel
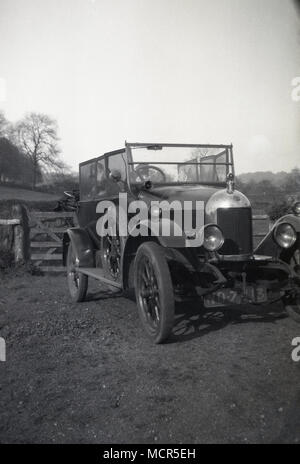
[[154, 291], [295, 261], [77, 282], [111, 249], [112, 246], [293, 309]]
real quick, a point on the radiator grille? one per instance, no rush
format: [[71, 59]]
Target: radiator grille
[[236, 225]]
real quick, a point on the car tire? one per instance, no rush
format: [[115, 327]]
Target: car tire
[[154, 291], [111, 256], [111, 251], [77, 282], [293, 310], [295, 258]]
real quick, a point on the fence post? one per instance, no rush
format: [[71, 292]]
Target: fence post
[[19, 243]]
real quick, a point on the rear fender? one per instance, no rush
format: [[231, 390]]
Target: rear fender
[[82, 246]]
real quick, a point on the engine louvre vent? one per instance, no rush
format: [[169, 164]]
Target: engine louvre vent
[[236, 225]]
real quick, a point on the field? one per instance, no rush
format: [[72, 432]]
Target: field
[[33, 200], [86, 373], [9, 193]]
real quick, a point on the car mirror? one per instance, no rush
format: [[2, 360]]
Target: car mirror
[[115, 175]]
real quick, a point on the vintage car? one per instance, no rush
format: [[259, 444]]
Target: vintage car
[[166, 254]]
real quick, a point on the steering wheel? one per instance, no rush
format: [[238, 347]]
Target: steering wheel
[[69, 194], [143, 171]]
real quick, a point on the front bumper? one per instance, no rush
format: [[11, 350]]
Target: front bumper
[[247, 279]]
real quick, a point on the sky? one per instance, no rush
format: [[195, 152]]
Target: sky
[[174, 71]]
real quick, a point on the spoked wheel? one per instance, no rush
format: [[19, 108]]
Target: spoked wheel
[[154, 291], [77, 282], [111, 255], [295, 261], [293, 309]]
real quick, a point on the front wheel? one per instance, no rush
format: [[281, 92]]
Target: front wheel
[[77, 282], [293, 309], [295, 260], [154, 291]]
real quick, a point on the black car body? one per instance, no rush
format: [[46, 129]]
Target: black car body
[[215, 262]]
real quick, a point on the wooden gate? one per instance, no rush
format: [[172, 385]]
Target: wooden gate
[[46, 234], [47, 229]]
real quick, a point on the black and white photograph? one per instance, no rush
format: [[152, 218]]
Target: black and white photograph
[[149, 225]]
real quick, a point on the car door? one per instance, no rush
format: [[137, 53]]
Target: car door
[[92, 180], [116, 162]]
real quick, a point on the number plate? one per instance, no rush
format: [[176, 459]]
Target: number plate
[[228, 296]]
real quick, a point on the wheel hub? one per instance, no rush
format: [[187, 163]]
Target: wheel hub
[[150, 293], [112, 256]]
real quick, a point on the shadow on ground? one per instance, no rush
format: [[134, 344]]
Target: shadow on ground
[[192, 320]]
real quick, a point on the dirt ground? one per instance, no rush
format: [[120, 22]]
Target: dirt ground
[[85, 373]]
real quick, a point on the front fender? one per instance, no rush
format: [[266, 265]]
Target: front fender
[[82, 246], [173, 240], [268, 246]]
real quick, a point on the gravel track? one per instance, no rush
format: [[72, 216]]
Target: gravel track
[[85, 373]]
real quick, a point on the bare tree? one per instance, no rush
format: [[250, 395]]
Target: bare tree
[[4, 124], [37, 138], [199, 153], [189, 171]]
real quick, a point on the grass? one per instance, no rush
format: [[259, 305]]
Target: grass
[[16, 193], [33, 200]]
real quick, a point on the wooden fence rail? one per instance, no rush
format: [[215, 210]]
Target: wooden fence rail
[[10, 222], [47, 229]]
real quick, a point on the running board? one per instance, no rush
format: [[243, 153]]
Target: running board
[[98, 273]]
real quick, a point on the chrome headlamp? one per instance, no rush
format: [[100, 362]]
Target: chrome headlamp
[[213, 237], [285, 235], [296, 208]]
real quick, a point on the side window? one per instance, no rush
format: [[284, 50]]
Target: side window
[[101, 180], [87, 181], [118, 162]]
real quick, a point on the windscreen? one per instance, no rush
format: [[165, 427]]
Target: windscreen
[[180, 164]]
